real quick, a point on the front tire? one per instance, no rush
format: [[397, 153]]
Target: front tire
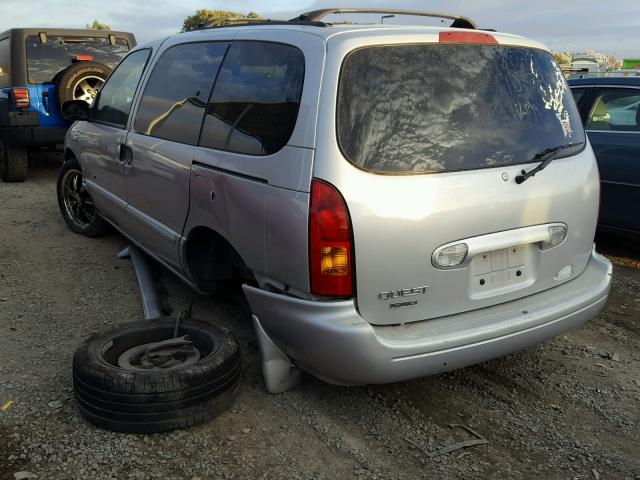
[[14, 163], [77, 208]]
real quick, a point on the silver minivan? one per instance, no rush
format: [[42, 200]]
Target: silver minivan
[[397, 200]]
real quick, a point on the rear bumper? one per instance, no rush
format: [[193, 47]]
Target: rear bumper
[[33, 136], [331, 341]]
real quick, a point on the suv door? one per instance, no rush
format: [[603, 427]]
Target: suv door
[[252, 171], [162, 143], [613, 127], [101, 140]]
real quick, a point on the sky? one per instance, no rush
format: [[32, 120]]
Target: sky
[[611, 26]]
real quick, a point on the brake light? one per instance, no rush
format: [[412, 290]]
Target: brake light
[[83, 58], [21, 98], [330, 250], [467, 37]]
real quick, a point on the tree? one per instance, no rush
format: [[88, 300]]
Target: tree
[[204, 15], [96, 25], [562, 58], [613, 62]]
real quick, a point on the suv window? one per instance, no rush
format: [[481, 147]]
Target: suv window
[[436, 107], [578, 93], [46, 60], [616, 110], [114, 100], [254, 104], [176, 94], [5, 61]]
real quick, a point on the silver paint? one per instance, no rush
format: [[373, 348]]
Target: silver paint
[[260, 206]]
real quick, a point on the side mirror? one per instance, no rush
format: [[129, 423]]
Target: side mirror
[[75, 110]]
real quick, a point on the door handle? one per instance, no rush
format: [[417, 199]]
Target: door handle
[[126, 154]]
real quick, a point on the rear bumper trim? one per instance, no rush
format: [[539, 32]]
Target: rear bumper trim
[[33, 136], [331, 341], [529, 331]]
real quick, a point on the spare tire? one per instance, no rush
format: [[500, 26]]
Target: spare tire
[[81, 81], [143, 399]]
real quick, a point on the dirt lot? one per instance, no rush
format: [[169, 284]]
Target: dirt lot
[[566, 409]]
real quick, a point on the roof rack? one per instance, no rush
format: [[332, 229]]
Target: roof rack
[[318, 15], [315, 17], [240, 21]]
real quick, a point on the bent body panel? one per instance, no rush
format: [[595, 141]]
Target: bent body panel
[[332, 341]]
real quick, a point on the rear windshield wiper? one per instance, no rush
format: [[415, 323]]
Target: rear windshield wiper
[[546, 156]]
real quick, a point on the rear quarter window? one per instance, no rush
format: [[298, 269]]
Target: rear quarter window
[[255, 101], [432, 108]]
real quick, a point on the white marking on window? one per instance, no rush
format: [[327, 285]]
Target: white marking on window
[[553, 99]]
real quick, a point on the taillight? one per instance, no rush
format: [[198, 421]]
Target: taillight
[[467, 37], [330, 249], [83, 58], [21, 97]]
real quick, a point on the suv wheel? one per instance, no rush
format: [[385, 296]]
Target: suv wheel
[[13, 163], [81, 81], [142, 377], [76, 206]]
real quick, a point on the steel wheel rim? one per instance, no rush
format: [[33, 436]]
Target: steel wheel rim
[[77, 203], [133, 359], [87, 88]]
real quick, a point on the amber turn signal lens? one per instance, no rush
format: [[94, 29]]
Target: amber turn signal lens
[[334, 261]]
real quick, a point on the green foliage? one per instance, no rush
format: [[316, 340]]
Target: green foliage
[[96, 25], [204, 15]]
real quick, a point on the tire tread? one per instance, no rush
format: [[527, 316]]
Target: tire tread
[[147, 402], [14, 164]]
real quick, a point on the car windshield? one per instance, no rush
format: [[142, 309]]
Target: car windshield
[[433, 108], [46, 60]]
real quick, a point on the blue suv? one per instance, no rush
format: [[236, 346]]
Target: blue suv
[[40, 69]]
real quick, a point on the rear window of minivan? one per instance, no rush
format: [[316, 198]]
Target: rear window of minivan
[[431, 107]]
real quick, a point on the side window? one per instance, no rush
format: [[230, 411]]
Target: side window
[[254, 104], [578, 93], [616, 110], [116, 96], [5, 61], [176, 94]]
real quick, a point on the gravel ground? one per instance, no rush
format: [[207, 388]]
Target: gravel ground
[[566, 409]]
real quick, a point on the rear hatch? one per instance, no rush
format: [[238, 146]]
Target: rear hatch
[[433, 136]]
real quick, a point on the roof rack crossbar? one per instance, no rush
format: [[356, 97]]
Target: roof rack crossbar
[[318, 15]]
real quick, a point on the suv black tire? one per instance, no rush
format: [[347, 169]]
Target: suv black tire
[[14, 163], [93, 226], [68, 79], [136, 401]]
